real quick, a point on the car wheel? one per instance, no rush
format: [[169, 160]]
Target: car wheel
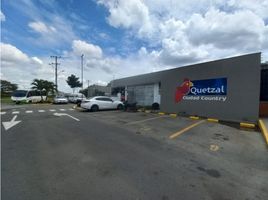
[[94, 108], [120, 107]]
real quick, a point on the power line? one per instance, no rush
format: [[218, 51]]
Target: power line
[[56, 63]]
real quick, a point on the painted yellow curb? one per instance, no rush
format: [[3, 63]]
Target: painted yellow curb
[[247, 125], [147, 111], [194, 117], [212, 120], [161, 113], [264, 130], [173, 115]]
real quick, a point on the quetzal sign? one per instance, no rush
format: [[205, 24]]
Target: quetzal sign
[[206, 90]]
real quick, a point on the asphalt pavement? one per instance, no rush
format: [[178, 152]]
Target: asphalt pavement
[[55, 152]]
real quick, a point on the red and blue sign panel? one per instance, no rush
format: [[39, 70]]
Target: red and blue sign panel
[[216, 86], [207, 87]]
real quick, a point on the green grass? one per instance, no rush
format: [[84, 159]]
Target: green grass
[[6, 100]]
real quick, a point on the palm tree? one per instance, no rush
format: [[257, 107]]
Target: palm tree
[[49, 87], [38, 84]]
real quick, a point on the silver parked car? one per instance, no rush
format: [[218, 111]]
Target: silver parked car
[[60, 99], [101, 103]]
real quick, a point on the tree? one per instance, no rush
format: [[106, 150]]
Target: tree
[[38, 84], [43, 85], [7, 87], [73, 82], [49, 87]]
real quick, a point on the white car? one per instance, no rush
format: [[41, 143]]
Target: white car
[[59, 99], [101, 103], [76, 98]]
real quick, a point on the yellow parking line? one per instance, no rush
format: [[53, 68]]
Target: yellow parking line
[[194, 117], [185, 129], [161, 113], [263, 130]]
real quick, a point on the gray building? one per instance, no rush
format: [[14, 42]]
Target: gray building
[[226, 89], [95, 90]]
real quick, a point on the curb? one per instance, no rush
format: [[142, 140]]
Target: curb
[[212, 120], [263, 130], [194, 117], [247, 125]]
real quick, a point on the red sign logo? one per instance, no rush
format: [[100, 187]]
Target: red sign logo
[[183, 89]]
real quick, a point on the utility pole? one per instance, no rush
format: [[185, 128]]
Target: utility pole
[[82, 62], [87, 88], [56, 70]]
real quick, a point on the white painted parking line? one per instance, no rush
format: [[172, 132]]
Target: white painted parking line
[[62, 109], [2, 113], [28, 111], [71, 109], [41, 111], [15, 112], [52, 110]]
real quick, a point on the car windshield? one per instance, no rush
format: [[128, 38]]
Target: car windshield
[[19, 93]]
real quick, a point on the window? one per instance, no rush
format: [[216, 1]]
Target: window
[[19, 93], [104, 99], [108, 99]]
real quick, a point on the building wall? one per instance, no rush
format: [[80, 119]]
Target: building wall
[[243, 88]]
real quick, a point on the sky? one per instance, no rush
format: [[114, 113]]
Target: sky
[[121, 38]]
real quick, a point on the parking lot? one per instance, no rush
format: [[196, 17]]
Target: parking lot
[[58, 152]]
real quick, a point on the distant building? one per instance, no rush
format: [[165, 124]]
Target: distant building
[[95, 90]]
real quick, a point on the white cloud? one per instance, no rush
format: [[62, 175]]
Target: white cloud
[[37, 60], [2, 16], [40, 27], [89, 50], [54, 33], [236, 32], [10, 55], [20, 68], [184, 32], [128, 14]]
